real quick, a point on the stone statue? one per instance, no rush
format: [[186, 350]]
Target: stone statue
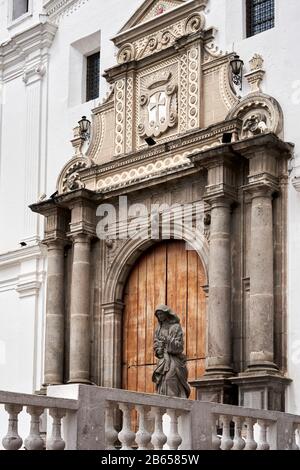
[[170, 374]]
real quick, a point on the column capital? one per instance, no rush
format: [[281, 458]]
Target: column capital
[[219, 200], [83, 218], [263, 187], [55, 243], [80, 236]]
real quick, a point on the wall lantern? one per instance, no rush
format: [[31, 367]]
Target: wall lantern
[[85, 127], [236, 65]]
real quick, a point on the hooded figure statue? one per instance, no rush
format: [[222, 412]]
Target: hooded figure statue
[[170, 374]]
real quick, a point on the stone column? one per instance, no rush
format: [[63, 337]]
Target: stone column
[[80, 322], [112, 374], [55, 322], [219, 303], [261, 315]]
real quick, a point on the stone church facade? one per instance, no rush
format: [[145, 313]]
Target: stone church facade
[[173, 131]]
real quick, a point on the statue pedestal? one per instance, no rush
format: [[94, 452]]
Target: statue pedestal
[[216, 390], [262, 391]]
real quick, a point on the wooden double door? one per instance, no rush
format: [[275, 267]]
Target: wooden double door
[[167, 274]]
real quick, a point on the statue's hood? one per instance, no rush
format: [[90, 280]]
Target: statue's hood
[[172, 316]]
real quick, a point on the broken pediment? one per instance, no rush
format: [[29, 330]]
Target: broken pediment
[[150, 9]]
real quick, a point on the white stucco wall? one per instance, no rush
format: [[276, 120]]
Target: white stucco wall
[[21, 332]]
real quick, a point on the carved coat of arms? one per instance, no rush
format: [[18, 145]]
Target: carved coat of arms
[[158, 106]]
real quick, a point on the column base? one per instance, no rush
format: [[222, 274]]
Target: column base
[[215, 390], [261, 390], [80, 381]]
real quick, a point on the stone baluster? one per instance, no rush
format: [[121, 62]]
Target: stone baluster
[[215, 439], [250, 442], [143, 437], [126, 436], [298, 436], [174, 439], [56, 442], [263, 441], [111, 435], [34, 441], [226, 441], [158, 437], [294, 445], [12, 440], [238, 441]]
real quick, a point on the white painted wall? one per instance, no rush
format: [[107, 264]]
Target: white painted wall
[[79, 33]]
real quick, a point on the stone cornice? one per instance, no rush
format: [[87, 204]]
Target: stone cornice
[[57, 9], [18, 256], [26, 50]]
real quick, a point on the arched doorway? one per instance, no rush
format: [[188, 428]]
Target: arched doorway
[[166, 274]]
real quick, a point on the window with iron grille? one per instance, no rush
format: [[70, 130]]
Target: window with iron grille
[[260, 16], [19, 8], [93, 76]]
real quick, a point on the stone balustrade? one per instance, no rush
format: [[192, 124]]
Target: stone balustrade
[[35, 406], [100, 418]]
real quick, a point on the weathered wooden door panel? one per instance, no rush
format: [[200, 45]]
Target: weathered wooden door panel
[[166, 274]]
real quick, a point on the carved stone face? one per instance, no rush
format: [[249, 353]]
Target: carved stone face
[[162, 316]]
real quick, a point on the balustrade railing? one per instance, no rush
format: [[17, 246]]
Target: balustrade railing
[[101, 418], [35, 406]]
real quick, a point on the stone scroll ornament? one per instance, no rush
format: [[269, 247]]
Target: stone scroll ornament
[[171, 374]]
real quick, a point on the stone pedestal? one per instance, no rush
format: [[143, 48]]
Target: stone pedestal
[[261, 391], [216, 390]]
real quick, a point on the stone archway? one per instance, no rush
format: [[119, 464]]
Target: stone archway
[[167, 273], [127, 256]]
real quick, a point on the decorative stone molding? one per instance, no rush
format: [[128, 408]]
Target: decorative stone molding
[[26, 53], [120, 107], [256, 74], [57, 9], [33, 74], [69, 179], [149, 10], [147, 45], [193, 87], [142, 172], [188, 18], [260, 114], [212, 52], [26, 270], [28, 289], [138, 168]]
